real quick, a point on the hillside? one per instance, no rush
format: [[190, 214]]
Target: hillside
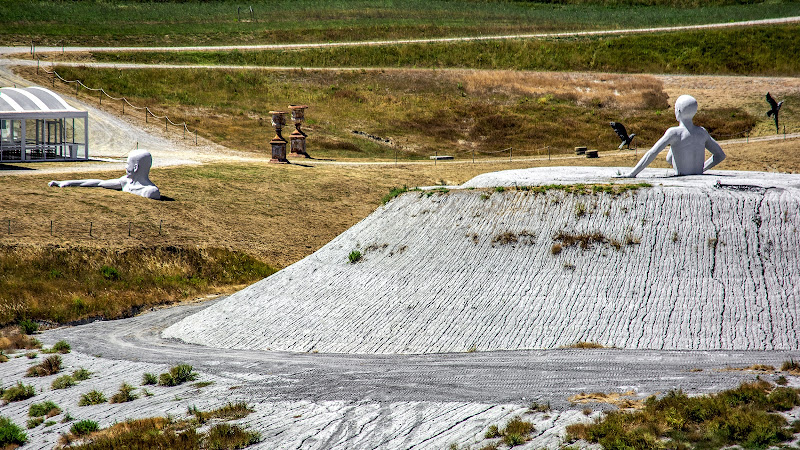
[[682, 264]]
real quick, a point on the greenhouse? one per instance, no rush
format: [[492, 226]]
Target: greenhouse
[[36, 124]]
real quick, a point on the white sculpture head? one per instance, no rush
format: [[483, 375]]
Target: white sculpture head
[[138, 165], [685, 108]]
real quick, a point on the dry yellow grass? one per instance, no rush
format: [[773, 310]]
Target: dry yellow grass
[[623, 400]]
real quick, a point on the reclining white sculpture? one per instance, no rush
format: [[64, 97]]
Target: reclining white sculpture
[[687, 143], [136, 179]]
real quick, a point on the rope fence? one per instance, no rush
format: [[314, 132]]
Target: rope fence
[[101, 92], [19, 228]]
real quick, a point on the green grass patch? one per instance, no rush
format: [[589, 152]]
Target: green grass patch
[[177, 375], [86, 288], [45, 409], [762, 50], [63, 382], [231, 411], [744, 416], [125, 394], [84, 427], [149, 378], [11, 434], [217, 22], [17, 392], [92, 398]]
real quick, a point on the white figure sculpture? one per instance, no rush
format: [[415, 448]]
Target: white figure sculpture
[[687, 143], [136, 179]]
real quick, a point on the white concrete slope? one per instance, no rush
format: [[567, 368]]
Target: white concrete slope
[[699, 266]]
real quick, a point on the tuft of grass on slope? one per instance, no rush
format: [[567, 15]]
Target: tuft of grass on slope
[[744, 416]]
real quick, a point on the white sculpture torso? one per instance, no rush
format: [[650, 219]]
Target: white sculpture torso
[[687, 142]]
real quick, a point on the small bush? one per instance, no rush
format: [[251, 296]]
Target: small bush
[[519, 427], [492, 432], [781, 381], [149, 378], [125, 394], [51, 365], [92, 398], [18, 392], [11, 434], [28, 327], [513, 439], [580, 209], [31, 355], [81, 374], [47, 408], [84, 427], [61, 347], [555, 249], [499, 189], [790, 366], [177, 375], [230, 436], [35, 422], [354, 256], [63, 382], [3, 357], [109, 273]]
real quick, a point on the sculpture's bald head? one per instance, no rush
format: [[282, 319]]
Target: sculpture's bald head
[[139, 163], [685, 107]]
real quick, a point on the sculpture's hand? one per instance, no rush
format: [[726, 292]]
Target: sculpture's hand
[[53, 183]]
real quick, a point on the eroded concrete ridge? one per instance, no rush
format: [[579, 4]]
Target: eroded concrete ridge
[[683, 264]]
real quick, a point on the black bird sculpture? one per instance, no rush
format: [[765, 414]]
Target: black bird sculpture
[[775, 107], [623, 134]]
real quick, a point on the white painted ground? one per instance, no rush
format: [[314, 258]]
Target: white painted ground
[[714, 268]]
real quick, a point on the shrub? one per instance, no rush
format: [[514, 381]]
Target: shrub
[[790, 366], [3, 357], [125, 394], [11, 434], [18, 392], [109, 273], [230, 436], [354, 256], [555, 249], [149, 378], [28, 327], [92, 398], [492, 432], [35, 422], [84, 427], [177, 375], [499, 189], [61, 347], [81, 374], [47, 408], [63, 382], [51, 365]]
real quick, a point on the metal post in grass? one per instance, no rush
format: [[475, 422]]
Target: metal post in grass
[[9, 226], [51, 228], [436, 157], [160, 222], [548, 153], [100, 96], [76, 89], [123, 106], [129, 229], [195, 136], [238, 9], [510, 154], [37, 66], [166, 124], [90, 228], [145, 114]]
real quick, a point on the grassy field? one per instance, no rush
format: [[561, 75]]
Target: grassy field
[[765, 50], [216, 22], [420, 112]]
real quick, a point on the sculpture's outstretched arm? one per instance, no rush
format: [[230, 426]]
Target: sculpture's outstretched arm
[[108, 184], [717, 155], [652, 153]]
